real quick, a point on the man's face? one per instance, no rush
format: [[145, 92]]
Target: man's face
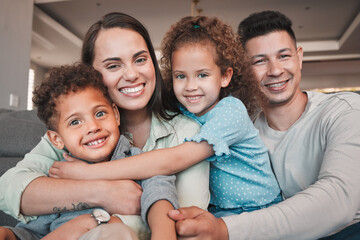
[[277, 65]]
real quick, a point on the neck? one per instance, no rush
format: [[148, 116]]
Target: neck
[[138, 124], [281, 117]]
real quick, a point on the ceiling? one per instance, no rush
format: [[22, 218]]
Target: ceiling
[[328, 30]]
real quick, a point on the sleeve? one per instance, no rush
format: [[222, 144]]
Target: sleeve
[[192, 184], [226, 124], [155, 189], [328, 205], [13, 182]]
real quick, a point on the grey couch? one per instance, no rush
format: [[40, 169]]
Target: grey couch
[[20, 131]]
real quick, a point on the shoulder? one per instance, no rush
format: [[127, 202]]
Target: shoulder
[[348, 100], [181, 121]]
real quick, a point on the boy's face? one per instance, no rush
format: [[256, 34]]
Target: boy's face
[[87, 125]]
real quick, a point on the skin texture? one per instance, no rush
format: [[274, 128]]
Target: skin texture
[[87, 125], [197, 79]]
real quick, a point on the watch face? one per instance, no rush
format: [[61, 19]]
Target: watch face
[[101, 215]]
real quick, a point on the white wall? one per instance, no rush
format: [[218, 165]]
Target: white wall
[[15, 43]]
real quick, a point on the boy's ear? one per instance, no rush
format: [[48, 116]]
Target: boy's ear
[[55, 139], [117, 113], [226, 77]]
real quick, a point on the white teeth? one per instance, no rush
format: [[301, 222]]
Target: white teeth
[[193, 98], [276, 84], [96, 142], [132, 90]]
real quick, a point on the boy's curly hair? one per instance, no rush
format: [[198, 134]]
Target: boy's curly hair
[[62, 81], [229, 53]]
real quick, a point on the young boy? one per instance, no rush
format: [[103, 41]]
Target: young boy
[[81, 119]]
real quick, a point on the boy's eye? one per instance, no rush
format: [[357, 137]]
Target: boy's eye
[[100, 114], [202, 75], [74, 122]]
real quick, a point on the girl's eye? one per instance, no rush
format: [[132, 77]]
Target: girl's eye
[[180, 76], [100, 114], [74, 122], [202, 75]]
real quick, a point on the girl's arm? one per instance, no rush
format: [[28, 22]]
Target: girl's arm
[[163, 161]]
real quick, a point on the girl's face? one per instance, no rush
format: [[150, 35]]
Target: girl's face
[[197, 79], [122, 56]]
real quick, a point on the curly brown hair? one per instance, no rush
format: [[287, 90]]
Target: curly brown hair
[[62, 81], [229, 53]]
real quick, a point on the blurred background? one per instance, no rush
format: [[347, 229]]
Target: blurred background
[[37, 35]]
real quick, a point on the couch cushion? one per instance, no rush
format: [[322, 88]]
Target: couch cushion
[[20, 131]]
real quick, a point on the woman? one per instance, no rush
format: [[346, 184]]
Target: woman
[[120, 48]]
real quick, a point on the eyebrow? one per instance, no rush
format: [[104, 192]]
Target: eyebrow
[[119, 59]]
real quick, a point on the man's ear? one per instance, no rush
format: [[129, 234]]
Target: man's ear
[[300, 53], [117, 113], [226, 77], [55, 139]]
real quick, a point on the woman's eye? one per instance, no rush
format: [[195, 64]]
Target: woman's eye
[[140, 60], [74, 122], [100, 114], [258, 61]]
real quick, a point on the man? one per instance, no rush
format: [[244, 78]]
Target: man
[[314, 146]]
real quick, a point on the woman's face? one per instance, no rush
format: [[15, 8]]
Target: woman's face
[[122, 56]]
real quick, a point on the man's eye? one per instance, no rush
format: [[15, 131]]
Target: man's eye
[[74, 122], [285, 56]]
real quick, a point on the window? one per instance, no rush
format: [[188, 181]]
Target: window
[[30, 89]]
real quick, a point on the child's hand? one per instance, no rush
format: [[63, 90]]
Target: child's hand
[[72, 168]]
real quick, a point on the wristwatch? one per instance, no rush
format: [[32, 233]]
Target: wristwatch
[[101, 216]]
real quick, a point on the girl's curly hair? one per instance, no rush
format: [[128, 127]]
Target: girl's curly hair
[[229, 53], [62, 81]]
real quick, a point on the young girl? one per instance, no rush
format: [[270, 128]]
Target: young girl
[[205, 68]]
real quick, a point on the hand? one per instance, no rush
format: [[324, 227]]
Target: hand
[[120, 196], [73, 229], [72, 168], [196, 223]]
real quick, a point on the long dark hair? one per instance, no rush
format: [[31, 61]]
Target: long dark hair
[[161, 103]]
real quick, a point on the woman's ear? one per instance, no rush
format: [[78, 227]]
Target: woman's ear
[[55, 139], [226, 77], [117, 113]]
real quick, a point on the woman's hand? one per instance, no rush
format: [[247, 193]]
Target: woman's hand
[[72, 168]]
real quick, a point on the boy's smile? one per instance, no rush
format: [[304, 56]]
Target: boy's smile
[[87, 125]]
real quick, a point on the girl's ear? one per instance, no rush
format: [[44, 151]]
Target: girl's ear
[[117, 113], [226, 77], [55, 139]]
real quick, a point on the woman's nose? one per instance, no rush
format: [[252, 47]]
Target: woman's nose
[[130, 73]]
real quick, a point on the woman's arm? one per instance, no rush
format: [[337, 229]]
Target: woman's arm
[[26, 185], [47, 195], [163, 161]]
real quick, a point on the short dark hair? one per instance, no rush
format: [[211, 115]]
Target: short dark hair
[[62, 81], [261, 23]]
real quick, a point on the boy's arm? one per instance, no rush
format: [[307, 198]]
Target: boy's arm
[[161, 225], [164, 161]]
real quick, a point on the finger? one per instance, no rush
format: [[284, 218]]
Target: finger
[[187, 228], [185, 213], [53, 172], [68, 158]]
